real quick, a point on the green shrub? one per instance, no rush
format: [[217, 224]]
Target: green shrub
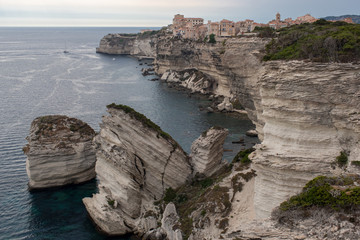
[[170, 195], [212, 38], [355, 163], [342, 159], [265, 32], [243, 156], [111, 202], [321, 41], [207, 182], [324, 192]]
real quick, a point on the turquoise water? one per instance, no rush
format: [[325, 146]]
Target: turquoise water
[[37, 78]]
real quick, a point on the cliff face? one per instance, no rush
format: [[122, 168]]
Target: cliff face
[[233, 67], [59, 152], [135, 165], [305, 113], [143, 47], [215, 60], [311, 114]]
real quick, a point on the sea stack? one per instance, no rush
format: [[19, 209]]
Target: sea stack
[[136, 163], [59, 152], [207, 151]]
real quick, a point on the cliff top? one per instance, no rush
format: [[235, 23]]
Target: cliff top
[[50, 127], [321, 41], [144, 120]]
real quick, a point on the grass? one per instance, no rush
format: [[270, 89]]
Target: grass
[[321, 41]]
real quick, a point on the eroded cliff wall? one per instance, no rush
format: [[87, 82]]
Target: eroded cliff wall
[[136, 163], [305, 113], [311, 114]]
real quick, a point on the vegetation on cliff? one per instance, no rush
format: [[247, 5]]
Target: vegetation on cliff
[[49, 126], [144, 120], [321, 41], [355, 18], [334, 192], [333, 196]]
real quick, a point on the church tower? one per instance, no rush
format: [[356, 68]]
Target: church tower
[[278, 17]]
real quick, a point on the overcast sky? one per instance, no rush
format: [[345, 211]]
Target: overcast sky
[[160, 12]]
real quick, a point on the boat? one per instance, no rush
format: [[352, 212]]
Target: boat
[[66, 51]]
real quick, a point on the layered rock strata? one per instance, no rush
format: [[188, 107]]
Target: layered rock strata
[[305, 113], [207, 151], [142, 47], [136, 163], [59, 152], [311, 114]]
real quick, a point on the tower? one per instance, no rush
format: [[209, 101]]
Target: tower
[[278, 17]]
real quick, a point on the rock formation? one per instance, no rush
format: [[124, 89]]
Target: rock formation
[[207, 150], [136, 163], [142, 47], [59, 152], [311, 114], [305, 113]]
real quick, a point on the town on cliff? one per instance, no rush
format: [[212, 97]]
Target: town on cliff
[[194, 28]]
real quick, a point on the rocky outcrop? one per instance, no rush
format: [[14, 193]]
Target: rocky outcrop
[[169, 223], [142, 47], [191, 79], [207, 151], [136, 163], [59, 152]]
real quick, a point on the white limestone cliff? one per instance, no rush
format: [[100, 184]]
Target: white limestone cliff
[[142, 47], [305, 114], [207, 151], [136, 163], [59, 152], [311, 114]]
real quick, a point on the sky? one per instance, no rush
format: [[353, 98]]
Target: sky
[[157, 13]]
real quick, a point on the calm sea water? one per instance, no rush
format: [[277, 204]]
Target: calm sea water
[[37, 78]]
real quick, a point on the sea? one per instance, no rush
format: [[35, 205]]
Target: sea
[[37, 78]]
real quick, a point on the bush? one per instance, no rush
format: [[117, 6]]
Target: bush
[[243, 156], [212, 38], [325, 192], [342, 159], [355, 163], [170, 195], [265, 32], [321, 41]]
